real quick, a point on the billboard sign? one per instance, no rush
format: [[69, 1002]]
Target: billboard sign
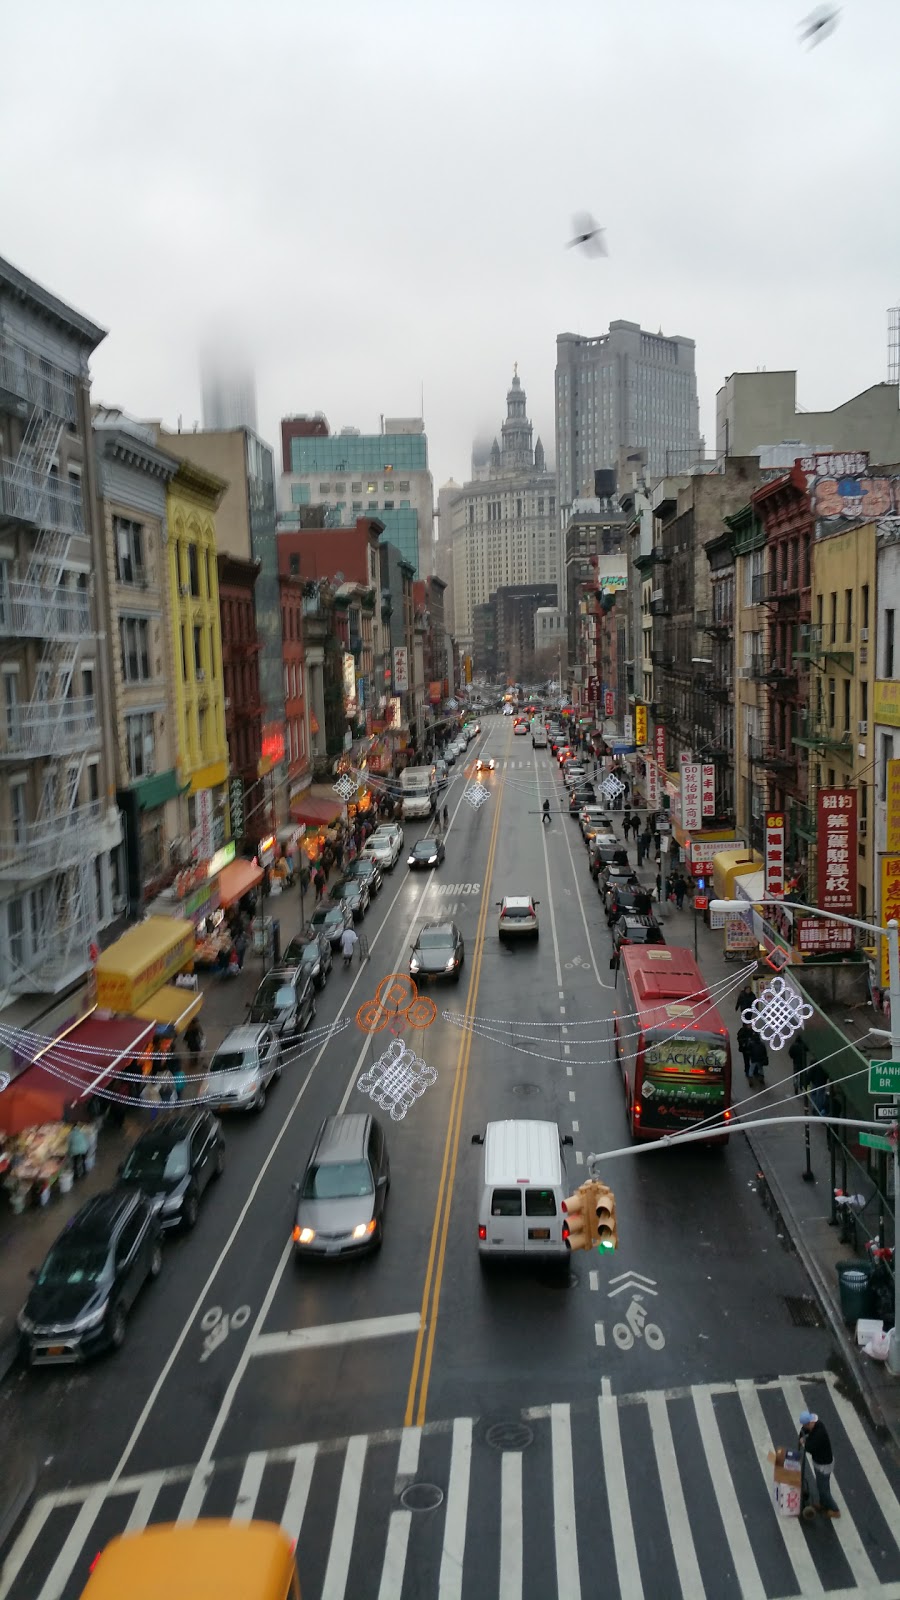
[[837, 845], [708, 789], [691, 813], [401, 669], [775, 854], [640, 726]]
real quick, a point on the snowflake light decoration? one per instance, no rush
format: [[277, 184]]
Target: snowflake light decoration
[[612, 787], [345, 787], [777, 1013], [397, 1079], [475, 794]]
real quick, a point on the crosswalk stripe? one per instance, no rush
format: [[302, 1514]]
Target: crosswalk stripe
[[335, 1585], [872, 1468], [510, 1586], [298, 1491], [673, 1500], [195, 1493], [846, 1531], [726, 1497], [62, 1568], [25, 1543], [394, 1569], [627, 1565], [568, 1579], [248, 1491], [143, 1505], [790, 1528], [450, 1582]]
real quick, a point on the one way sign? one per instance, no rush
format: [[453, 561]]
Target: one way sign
[[887, 1113]]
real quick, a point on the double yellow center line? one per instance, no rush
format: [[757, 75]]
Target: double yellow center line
[[434, 1272]]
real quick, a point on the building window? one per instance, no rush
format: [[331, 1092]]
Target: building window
[[194, 570], [848, 615], [831, 702], [129, 542], [846, 703], [134, 633], [140, 741], [357, 506], [388, 505], [864, 620], [887, 754], [299, 494], [11, 701], [889, 644], [833, 624], [198, 650], [18, 805], [864, 700]]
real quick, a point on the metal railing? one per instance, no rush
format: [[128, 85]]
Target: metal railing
[[26, 374], [48, 727], [38, 848], [31, 496], [31, 611]]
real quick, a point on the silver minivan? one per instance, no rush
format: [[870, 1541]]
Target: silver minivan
[[341, 1196]]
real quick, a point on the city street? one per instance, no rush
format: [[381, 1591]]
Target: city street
[[601, 1431]]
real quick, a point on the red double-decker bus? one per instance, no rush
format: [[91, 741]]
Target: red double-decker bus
[[672, 1045]]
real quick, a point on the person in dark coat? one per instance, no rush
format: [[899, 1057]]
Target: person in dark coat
[[759, 1060], [745, 1037], [815, 1441], [745, 999], [799, 1054], [319, 881]]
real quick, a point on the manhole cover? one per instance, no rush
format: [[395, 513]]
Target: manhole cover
[[526, 1089], [804, 1312], [509, 1436], [421, 1497]]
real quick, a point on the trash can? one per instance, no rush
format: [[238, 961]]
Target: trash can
[[261, 934], [276, 941], [857, 1299]]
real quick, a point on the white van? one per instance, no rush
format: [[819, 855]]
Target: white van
[[523, 1185]]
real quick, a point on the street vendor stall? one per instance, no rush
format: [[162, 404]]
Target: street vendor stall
[[145, 958], [171, 1008]]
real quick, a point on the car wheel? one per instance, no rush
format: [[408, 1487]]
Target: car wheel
[[156, 1261], [220, 1160], [261, 1099], [190, 1210], [279, 1069], [117, 1327], [457, 975]]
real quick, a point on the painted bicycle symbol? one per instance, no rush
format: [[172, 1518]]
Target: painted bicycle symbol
[[577, 961], [217, 1325], [636, 1326], [396, 997]]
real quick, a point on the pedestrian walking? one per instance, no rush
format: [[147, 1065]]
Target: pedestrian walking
[[745, 999], [78, 1147], [745, 1037], [817, 1081], [349, 941], [240, 946], [799, 1054], [195, 1039], [166, 1085], [759, 1060], [319, 882], [679, 889], [816, 1446]]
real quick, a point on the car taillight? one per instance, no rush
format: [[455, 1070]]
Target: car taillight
[[482, 1231], [565, 1231]]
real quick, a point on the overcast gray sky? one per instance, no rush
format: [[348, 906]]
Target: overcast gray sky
[[376, 193]]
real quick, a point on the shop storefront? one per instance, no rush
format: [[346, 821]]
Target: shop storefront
[[236, 879], [321, 811]]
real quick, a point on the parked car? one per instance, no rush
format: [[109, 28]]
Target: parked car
[[286, 999], [390, 830], [330, 918], [90, 1278], [607, 854], [426, 853], [438, 952], [366, 868], [581, 797], [312, 951], [633, 929], [518, 916], [173, 1163], [383, 849], [355, 893], [449, 756], [595, 818], [341, 1196], [613, 877], [242, 1068]]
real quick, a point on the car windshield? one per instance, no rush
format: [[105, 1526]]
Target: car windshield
[[341, 1180], [345, 891], [309, 953], [232, 1061], [517, 911], [274, 992], [70, 1263], [435, 941], [330, 914], [425, 847], [166, 1161]]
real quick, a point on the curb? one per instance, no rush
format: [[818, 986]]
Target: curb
[[861, 1374]]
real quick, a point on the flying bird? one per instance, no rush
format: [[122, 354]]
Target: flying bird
[[588, 235], [819, 24]]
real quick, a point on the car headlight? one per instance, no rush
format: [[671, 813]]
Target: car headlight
[[432, 861], [450, 964], [170, 1206], [414, 964], [304, 1235], [92, 1320], [24, 1324], [362, 1229], [410, 861]]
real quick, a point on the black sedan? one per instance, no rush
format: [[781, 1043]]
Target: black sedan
[[620, 897], [438, 952], [632, 929], [581, 797], [368, 872], [426, 853], [82, 1294], [313, 952], [331, 917], [286, 1000], [173, 1163], [354, 893]]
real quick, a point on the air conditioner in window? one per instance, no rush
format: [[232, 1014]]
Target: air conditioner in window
[[863, 635], [845, 736], [863, 727]]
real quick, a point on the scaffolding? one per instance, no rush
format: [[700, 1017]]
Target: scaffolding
[[894, 344]]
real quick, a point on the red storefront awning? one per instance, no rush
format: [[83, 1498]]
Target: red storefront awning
[[72, 1068], [316, 813]]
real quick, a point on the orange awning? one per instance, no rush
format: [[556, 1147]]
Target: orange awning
[[236, 880], [317, 813]]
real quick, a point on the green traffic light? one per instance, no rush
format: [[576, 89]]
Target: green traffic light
[[606, 1244]]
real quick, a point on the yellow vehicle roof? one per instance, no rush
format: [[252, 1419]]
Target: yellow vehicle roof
[[209, 1560]]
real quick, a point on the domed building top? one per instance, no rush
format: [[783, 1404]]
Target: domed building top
[[516, 454]]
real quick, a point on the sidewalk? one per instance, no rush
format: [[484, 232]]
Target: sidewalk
[[804, 1206]]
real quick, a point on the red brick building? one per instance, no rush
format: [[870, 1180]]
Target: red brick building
[[296, 747], [240, 674], [311, 553]]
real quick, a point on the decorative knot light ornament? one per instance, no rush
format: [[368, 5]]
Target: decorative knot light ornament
[[777, 1013], [612, 787], [475, 794], [345, 787], [397, 1079]]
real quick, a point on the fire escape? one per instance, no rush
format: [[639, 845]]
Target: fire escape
[[44, 613]]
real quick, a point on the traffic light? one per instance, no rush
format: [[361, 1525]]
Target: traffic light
[[604, 1230], [576, 1228]]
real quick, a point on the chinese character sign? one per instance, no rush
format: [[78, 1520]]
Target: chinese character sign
[[628, 727], [661, 751], [816, 937], [609, 703], [691, 814], [708, 789], [401, 669], [837, 846], [640, 726], [652, 784], [892, 807], [890, 907], [775, 854]]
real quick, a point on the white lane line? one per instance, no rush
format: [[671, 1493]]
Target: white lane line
[[25, 1543], [248, 1489], [298, 1491], [624, 1546], [579, 1158], [143, 1505], [866, 1455], [745, 1568], [846, 1529], [793, 1537], [602, 981], [571, 1094], [510, 1586], [599, 1333], [335, 1585], [561, 995], [594, 1279], [575, 1126], [394, 1568], [450, 1582], [568, 1577], [408, 1458], [568, 1069], [605, 1387], [673, 1498], [195, 1493], [268, 1344], [567, 1050]]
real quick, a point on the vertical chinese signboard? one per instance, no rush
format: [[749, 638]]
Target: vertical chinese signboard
[[640, 726], [661, 752], [652, 784], [691, 814], [837, 846], [708, 789], [890, 907], [609, 703], [775, 854], [401, 669], [892, 807]]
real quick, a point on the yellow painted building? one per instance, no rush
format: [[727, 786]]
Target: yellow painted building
[[840, 725], [192, 500]]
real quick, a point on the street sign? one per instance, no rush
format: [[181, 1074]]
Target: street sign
[[887, 1113], [876, 1141], [884, 1077]]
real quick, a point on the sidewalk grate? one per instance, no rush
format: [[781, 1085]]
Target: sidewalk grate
[[804, 1311]]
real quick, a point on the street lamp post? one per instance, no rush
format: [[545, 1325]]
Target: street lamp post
[[892, 934]]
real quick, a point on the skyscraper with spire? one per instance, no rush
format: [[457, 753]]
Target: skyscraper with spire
[[504, 520]]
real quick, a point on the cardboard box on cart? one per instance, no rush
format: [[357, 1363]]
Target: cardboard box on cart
[[787, 1481]]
